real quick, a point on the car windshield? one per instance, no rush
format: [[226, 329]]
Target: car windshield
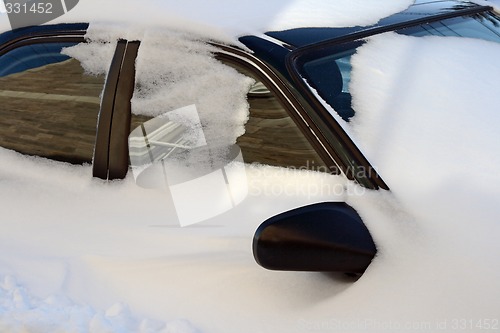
[[328, 71]]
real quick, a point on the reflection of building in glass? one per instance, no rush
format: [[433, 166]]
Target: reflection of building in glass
[[49, 105]]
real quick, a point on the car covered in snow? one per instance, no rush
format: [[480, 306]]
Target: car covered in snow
[[204, 122], [52, 108]]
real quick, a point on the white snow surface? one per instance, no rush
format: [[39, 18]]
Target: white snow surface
[[95, 244], [225, 19], [81, 255]]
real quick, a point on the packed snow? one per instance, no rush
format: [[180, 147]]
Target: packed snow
[[81, 255], [98, 244], [175, 70]]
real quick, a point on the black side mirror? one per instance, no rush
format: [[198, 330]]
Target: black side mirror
[[324, 237]]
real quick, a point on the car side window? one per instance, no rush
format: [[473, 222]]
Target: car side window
[[48, 105], [272, 137]]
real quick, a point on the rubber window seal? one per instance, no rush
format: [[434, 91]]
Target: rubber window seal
[[118, 160], [111, 148]]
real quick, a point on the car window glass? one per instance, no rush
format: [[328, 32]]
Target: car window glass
[[271, 136], [48, 104]]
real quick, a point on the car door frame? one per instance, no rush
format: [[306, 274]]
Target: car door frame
[[111, 153]]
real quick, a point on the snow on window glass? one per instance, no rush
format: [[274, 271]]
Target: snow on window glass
[[175, 70], [95, 56], [427, 111]]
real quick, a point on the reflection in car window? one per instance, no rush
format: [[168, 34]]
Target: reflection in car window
[[48, 105], [272, 137]]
